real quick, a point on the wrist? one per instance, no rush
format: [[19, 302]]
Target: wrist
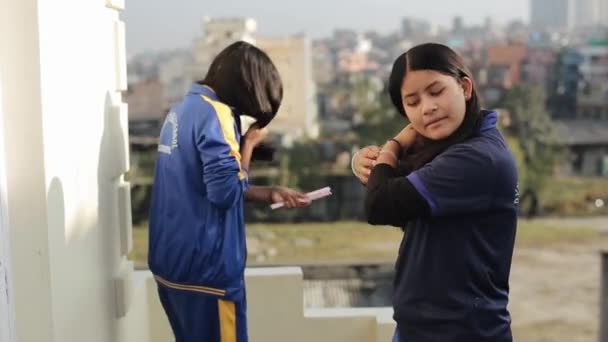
[[404, 142], [271, 190], [390, 153], [394, 140], [394, 146]]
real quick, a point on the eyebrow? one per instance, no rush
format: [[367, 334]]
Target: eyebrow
[[427, 87]]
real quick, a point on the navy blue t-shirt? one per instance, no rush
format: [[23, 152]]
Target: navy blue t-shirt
[[452, 273]]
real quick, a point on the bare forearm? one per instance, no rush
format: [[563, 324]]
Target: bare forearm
[[246, 152], [259, 194]]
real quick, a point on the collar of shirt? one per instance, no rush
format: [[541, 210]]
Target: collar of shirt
[[199, 89], [490, 118]]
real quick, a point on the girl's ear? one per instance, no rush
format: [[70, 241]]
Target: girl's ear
[[467, 86]]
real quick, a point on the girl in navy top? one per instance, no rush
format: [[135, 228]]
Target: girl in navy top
[[449, 178]]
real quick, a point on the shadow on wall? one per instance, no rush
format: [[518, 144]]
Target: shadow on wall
[[89, 259], [111, 166]]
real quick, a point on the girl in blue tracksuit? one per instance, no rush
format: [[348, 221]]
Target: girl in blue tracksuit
[[451, 179], [197, 249]]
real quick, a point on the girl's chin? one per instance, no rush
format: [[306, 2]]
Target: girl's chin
[[438, 134]]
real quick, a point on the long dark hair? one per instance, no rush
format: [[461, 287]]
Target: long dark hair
[[245, 78], [442, 59]]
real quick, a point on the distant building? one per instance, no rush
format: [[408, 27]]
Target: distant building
[[458, 25], [218, 34], [504, 64], [564, 88], [603, 12], [537, 66], [586, 143], [174, 75], [412, 28], [550, 14], [344, 39], [580, 88], [355, 62], [592, 96], [500, 70], [357, 59], [298, 114], [584, 13], [324, 64], [567, 14], [146, 101]]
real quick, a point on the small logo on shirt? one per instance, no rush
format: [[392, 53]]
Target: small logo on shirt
[[516, 200], [168, 134]]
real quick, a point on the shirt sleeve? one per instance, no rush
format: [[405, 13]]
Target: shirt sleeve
[[225, 179], [391, 199], [458, 181]]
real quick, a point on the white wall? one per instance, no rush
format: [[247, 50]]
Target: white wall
[[6, 309], [86, 155], [275, 313], [25, 179], [65, 139], [7, 329]]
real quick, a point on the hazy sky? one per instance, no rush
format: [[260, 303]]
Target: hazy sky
[[156, 24]]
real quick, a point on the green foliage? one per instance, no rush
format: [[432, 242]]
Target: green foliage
[[379, 118], [304, 165], [574, 196], [532, 137]]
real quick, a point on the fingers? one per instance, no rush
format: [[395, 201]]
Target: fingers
[[368, 163], [366, 160], [363, 166], [363, 176], [302, 201], [363, 171], [371, 152], [293, 199], [363, 180]]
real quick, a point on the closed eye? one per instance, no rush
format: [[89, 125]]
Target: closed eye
[[437, 93], [412, 103]]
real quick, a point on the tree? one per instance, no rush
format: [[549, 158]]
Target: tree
[[378, 118], [535, 141]]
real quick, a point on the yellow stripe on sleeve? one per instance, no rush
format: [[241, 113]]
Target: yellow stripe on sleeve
[[224, 115]]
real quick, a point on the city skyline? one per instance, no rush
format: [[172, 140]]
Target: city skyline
[[181, 21]]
